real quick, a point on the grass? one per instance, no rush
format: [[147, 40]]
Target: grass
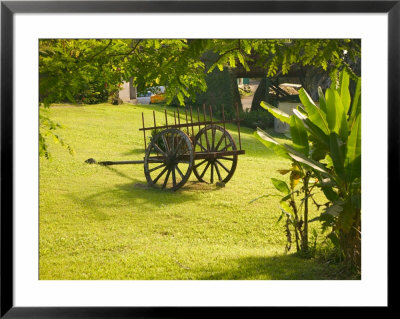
[[99, 222]]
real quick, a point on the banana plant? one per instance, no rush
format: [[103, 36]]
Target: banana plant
[[326, 139]]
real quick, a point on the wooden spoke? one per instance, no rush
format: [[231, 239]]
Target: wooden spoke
[[205, 169], [218, 173], [201, 163], [173, 177], [212, 173], [156, 168], [165, 142], [197, 143], [172, 143], [226, 147], [161, 174], [179, 171], [213, 132], [207, 141], [222, 165], [166, 179], [177, 147], [226, 158], [219, 142], [160, 150]]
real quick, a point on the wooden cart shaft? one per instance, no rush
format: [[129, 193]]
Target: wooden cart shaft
[[197, 156]]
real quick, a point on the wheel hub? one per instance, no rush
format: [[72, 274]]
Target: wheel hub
[[171, 160]]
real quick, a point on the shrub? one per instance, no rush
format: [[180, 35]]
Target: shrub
[[327, 144], [93, 93], [258, 118]]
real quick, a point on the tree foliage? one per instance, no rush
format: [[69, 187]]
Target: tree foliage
[[68, 65], [69, 68]]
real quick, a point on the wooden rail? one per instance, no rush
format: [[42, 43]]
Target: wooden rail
[[188, 124]]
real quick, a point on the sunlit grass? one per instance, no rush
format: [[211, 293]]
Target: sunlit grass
[[99, 222]]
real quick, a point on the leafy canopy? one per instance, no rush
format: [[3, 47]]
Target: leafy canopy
[[66, 66]]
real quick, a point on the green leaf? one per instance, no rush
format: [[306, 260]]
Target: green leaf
[[341, 117], [322, 102], [299, 135], [330, 109], [338, 154], [280, 185], [309, 163], [356, 104], [334, 239], [180, 98], [287, 214], [353, 156], [271, 143], [329, 162], [285, 206], [344, 90], [317, 133], [330, 194], [346, 217], [344, 130], [277, 113], [288, 196], [334, 210], [315, 114], [336, 116], [242, 61], [301, 158], [232, 61]]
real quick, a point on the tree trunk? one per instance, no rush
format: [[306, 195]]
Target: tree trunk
[[350, 243], [305, 229], [222, 88], [262, 94], [312, 79]]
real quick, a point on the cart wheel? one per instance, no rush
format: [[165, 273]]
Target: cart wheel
[[169, 160], [214, 138]]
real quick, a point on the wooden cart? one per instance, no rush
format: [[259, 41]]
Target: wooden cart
[[177, 149]]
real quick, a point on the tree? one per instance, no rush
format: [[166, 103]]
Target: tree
[[67, 66]]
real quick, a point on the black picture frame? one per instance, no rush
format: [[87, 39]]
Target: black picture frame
[[9, 8]]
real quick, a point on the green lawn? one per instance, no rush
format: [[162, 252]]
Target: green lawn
[[99, 222]]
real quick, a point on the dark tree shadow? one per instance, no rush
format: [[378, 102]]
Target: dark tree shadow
[[285, 267], [134, 152], [136, 192]]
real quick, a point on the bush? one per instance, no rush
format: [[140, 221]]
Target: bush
[[93, 93], [259, 118]]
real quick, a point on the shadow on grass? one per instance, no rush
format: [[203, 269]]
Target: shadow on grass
[[285, 267], [119, 173], [134, 152], [136, 193]]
